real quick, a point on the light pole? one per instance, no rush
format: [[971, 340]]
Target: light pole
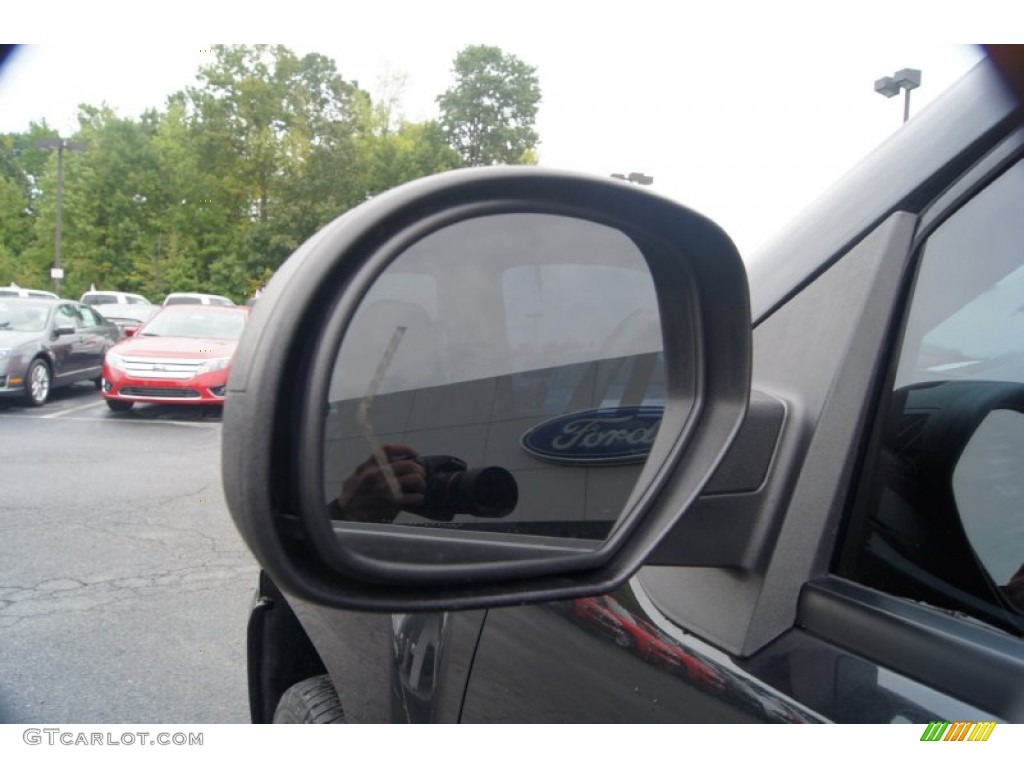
[[905, 80], [633, 177], [57, 273]]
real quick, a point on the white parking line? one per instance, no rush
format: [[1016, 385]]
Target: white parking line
[[111, 420], [55, 414], [194, 424]]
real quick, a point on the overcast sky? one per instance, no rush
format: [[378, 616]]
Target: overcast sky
[[739, 114]]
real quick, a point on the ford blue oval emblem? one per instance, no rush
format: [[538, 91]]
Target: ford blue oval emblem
[[619, 435]]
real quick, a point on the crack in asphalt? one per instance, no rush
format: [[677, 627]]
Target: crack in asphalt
[[56, 596], [125, 525], [184, 543]]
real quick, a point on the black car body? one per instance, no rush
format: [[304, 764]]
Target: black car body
[[49, 343], [854, 557]]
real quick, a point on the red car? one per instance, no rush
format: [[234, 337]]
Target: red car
[[181, 355], [631, 631], [597, 611]]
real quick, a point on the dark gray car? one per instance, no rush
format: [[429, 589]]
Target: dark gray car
[[797, 481], [127, 317], [48, 343]]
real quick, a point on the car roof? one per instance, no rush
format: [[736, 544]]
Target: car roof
[[35, 302], [131, 311], [177, 295], [192, 293], [919, 155], [203, 308], [25, 293]]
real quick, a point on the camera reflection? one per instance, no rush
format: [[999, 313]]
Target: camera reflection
[[397, 479]]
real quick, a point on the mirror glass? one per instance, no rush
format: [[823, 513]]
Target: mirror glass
[[505, 373]]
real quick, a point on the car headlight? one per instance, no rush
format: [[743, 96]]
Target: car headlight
[[114, 360], [214, 364], [5, 353]]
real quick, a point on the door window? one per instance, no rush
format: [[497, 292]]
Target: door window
[[67, 317], [89, 318], [942, 517]]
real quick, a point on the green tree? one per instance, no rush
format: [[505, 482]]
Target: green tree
[[17, 231], [22, 166], [410, 152], [262, 121], [107, 215], [488, 116], [15, 227], [216, 190]]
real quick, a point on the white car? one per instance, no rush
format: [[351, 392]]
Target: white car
[[198, 298], [95, 298], [14, 291]]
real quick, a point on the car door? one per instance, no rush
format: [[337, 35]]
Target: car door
[[97, 335], [66, 344], [879, 576]]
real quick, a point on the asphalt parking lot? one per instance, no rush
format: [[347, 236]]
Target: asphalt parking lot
[[124, 587]]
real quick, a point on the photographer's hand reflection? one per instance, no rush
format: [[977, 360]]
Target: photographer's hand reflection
[[369, 495]]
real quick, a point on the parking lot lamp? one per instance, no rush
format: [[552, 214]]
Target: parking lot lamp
[[905, 80], [633, 177]]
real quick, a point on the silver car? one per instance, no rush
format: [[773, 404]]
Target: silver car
[[46, 344]]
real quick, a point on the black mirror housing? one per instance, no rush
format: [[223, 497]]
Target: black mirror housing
[[281, 397]]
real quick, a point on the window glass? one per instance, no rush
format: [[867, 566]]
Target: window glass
[[988, 487], [945, 503], [22, 316], [197, 323], [89, 318], [967, 317], [67, 316]]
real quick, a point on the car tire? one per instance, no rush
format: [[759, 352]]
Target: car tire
[[313, 700], [120, 406], [38, 382], [98, 381]]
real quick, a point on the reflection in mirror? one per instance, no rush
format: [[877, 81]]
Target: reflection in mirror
[[505, 374]]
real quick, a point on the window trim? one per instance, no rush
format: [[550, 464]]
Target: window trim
[[852, 538], [967, 659]]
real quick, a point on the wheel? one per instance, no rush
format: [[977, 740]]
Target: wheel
[[37, 383], [313, 700], [120, 406], [98, 381]]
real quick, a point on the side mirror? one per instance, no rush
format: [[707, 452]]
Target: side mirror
[[64, 330], [131, 330], [485, 387]]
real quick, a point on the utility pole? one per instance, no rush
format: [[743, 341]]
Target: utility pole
[[57, 272]]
